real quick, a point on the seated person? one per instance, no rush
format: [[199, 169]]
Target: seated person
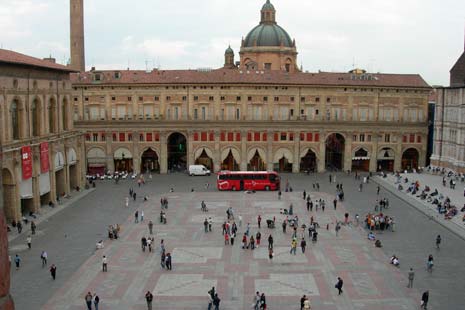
[[378, 243], [395, 261], [99, 245], [371, 236]]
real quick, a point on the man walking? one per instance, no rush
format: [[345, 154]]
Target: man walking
[[438, 241], [17, 261], [33, 227], [96, 301], [44, 257], [151, 227], [424, 300], [149, 299], [270, 242], [88, 300], [104, 263], [29, 241], [142, 215], [53, 271], [136, 217], [411, 276], [293, 247], [339, 285], [259, 220], [303, 244]]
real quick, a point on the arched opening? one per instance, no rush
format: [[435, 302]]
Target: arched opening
[[96, 161], [288, 65], [35, 117], [204, 159], [361, 160], [282, 160], [230, 161], [256, 162], [73, 168], [149, 161], [64, 114], [15, 120], [52, 128], [123, 160], [386, 157], [410, 159], [334, 158], [308, 162], [60, 181], [9, 195], [177, 152]]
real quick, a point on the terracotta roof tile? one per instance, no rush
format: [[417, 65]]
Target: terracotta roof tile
[[11, 57], [236, 76]]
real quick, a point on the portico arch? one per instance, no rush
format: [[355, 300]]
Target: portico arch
[[282, 160], [60, 177], [360, 159], [386, 158], [149, 161], [256, 159], [230, 159], [308, 160], [410, 159], [335, 146], [123, 160], [177, 152], [204, 156], [96, 161]]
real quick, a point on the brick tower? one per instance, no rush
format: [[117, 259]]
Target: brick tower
[[77, 35]]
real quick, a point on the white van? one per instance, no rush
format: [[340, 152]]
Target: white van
[[198, 170]]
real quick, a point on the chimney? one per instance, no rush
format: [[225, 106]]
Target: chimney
[[50, 59]]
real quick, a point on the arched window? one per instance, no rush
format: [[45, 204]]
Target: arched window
[[15, 119], [35, 119], [64, 114], [52, 116]]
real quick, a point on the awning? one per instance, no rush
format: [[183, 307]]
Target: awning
[[200, 150], [71, 156], [235, 153], [59, 161], [44, 183], [252, 152], [282, 152]]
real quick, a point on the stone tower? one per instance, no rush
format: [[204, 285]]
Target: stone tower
[[77, 35]]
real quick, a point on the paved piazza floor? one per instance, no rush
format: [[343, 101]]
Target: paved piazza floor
[[201, 260]]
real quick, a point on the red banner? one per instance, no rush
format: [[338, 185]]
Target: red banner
[[26, 155], [44, 160]]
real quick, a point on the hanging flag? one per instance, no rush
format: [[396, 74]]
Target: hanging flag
[[26, 160], [44, 158]]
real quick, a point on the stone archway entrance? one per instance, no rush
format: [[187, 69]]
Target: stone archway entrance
[[308, 162], [334, 158], [256, 162], [177, 152], [230, 159], [9, 195], [59, 174], [283, 159], [386, 157], [149, 161], [410, 159], [361, 160], [204, 159], [123, 160], [73, 169]]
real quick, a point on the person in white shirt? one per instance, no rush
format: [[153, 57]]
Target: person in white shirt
[[104, 263], [29, 241]]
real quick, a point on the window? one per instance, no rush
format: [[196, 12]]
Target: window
[[211, 136], [87, 137], [176, 113], [368, 138], [317, 112], [283, 136], [141, 137], [52, 116], [95, 137], [196, 136], [249, 136], [238, 114], [354, 138], [328, 100], [103, 138], [302, 99], [362, 137], [196, 114], [412, 139], [122, 136], [276, 99], [317, 99], [265, 99], [256, 136], [141, 98], [196, 98], [264, 137], [404, 139], [222, 98], [211, 98], [230, 136], [249, 98], [267, 66], [418, 139], [309, 136], [238, 98], [291, 137], [292, 98], [129, 136], [387, 138], [204, 113], [156, 98], [317, 137], [114, 137], [35, 118], [129, 98]]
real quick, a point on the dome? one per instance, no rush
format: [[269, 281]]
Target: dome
[[229, 51], [268, 35]]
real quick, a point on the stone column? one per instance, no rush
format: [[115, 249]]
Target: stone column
[[108, 152], [217, 153], [398, 154], [35, 179], [374, 152], [348, 153], [269, 152], [322, 155], [296, 160], [164, 153], [136, 152], [6, 302], [243, 164], [190, 148], [53, 188]]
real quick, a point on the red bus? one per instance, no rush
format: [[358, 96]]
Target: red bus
[[248, 180]]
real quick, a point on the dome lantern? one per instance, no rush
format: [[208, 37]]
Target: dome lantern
[[268, 13]]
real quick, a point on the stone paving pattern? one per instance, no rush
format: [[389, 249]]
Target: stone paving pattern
[[201, 260]]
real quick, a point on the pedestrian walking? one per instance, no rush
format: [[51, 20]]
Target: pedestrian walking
[[279, 194], [134, 195], [270, 242], [29, 241], [430, 263], [17, 261], [19, 226], [210, 223], [304, 195], [104, 264], [293, 246], [168, 261], [303, 244], [233, 235], [142, 215], [240, 220], [127, 202], [335, 203], [53, 271], [96, 301], [411, 276], [43, 257], [377, 190], [339, 285], [136, 217], [337, 228], [33, 227], [205, 225], [424, 300], [438, 241], [259, 220], [88, 299], [216, 302], [149, 299], [150, 227]]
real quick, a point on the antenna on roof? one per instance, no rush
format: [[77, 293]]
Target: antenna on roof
[[353, 62]]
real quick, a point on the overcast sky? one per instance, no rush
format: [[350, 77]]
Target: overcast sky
[[391, 36]]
